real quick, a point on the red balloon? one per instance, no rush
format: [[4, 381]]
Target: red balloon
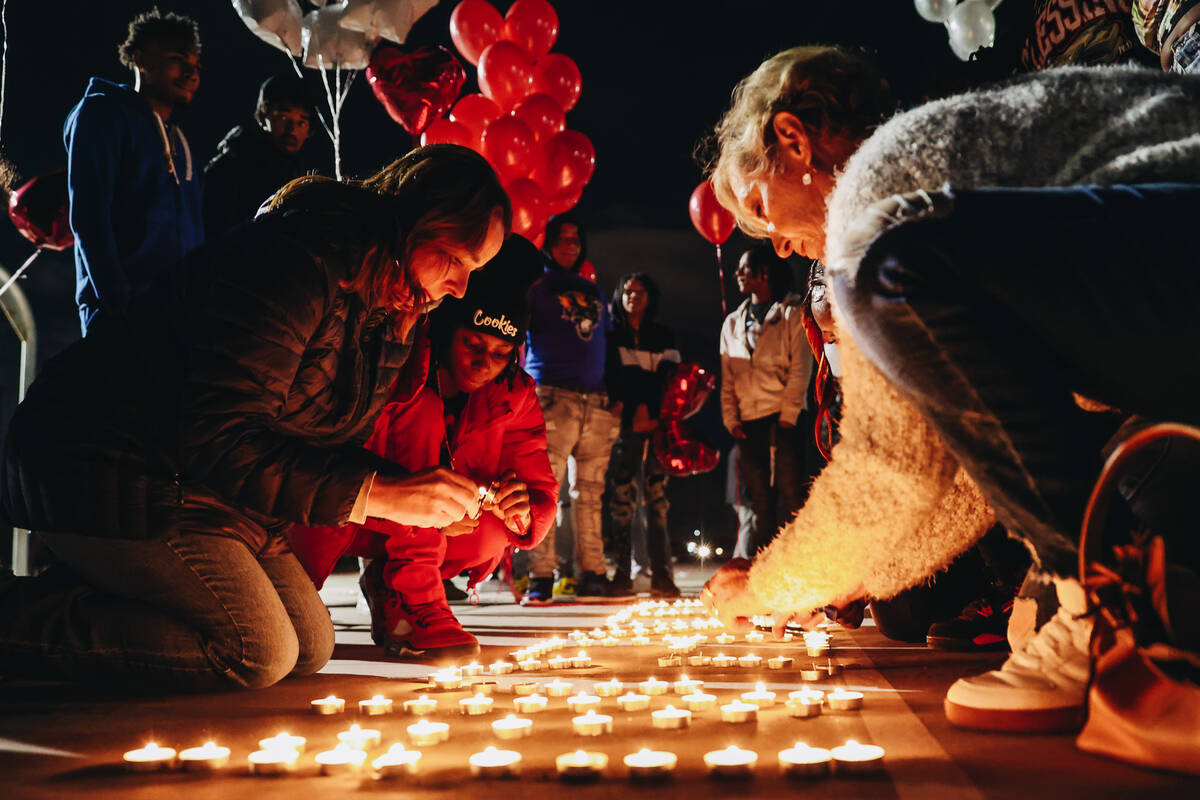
[[475, 112], [539, 239], [40, 209], [681, 451], [415, 87], [533, 25], [569, 163], [686, 391], [507, 144], [711, 219], [446, 131], [562, 203], [542, 114], [505, 74], [557, 76], [474, 25], [529, 208]]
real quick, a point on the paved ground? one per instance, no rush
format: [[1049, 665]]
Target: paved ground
[[59, 742]]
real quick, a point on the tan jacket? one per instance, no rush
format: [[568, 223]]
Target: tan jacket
[[774, 378]]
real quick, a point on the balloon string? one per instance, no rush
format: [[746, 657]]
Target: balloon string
[[721, 277], [3, 65]]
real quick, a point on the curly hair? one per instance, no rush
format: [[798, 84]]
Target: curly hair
[[154, 25], [837, 94]]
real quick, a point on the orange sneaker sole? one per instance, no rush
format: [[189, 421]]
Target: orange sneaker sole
[[1037, 720]]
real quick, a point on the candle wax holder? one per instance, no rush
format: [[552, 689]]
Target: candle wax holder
[[633, 702], [739, 712], [723, 661], [699, 661], [653, 687], [283, 741], [750, 661], [651, 764], [396, 762], [272, 761], [375, 707], [580, 703], [531, 704], [670, 661], [592, 724], [209, 756], [841, 700], [524, 688], [340, 759], [493, 763], [150, 758], [804, 761], [813, 674], [611, 688], [557, 688], [512, 727], [802, 708], [500, 667], [427, 732], [779, 662], [732, 762], [328, 706], [580, 765], [857, 758], [359, 738], [671, 718], [759, 697], [421, 706], [699, 701]]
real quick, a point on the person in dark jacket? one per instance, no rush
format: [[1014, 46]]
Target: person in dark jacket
[[163, 457], [470, 406], [643, 356], [255, 159], [135, 193]]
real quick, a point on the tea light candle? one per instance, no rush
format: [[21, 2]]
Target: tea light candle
[[855, 757], [360, 738], [581, 660], [805, 693], [653, 687], [841, 700], [631, 701], [446, 680], [557, 688], [737, 711], [750, 661], [328, 706], [686, 685], [725, 638], [556, 643], [579, 703], [272, 760], [149, 758], [493, 763], [805, 761], [524, 688], [804, 707], [421, 706], [485, 688], [699, 701], [427, 732], [755, 637], [283, 741], [760, 697], [732, 762], [576, 635], [610, 688], [397, 761], [779, 662], [670, 661], [512, 727], [500, 667], [531, 704], [558, 662], [816, 650], [580, 765], [376, 706], [476, 706], [529, 664], [596, 633], [342, 758], [208, 756], [592, 724], [610, 641], [699, 660], [472, 669], [813, 674], [650, 764], [671, 718], [723, 661]]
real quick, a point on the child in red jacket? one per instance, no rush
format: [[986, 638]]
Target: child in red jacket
[[473, 410]]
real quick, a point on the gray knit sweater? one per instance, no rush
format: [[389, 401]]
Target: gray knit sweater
[[893, 507]]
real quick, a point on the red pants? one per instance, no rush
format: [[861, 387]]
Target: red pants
[[419, 561]]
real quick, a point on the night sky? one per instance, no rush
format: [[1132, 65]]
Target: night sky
[[656, 77]]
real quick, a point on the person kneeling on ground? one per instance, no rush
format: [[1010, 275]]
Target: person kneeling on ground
[[468, 406]]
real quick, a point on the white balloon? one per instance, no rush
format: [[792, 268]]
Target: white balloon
[[972, 25], [276, 22], [389, 19], [935, 10], [325, 37]]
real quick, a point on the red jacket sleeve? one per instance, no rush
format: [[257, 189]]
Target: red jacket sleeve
[[524, 452]]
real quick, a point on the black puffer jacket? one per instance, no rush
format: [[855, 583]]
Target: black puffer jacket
[[247, 169], [249, 379]]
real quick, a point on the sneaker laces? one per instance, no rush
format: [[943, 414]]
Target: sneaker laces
[[429, 615], [1058, 651]]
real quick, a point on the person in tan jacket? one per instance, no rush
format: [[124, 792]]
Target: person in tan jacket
[[766, 365]]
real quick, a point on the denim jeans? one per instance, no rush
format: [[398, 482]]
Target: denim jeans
[[190, 610], [988, 318], [578, 425], [774, 502], [635, 473]]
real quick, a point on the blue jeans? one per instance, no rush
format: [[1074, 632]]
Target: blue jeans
[[988, 318], [190, 610]]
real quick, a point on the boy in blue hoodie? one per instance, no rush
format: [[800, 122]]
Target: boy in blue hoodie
[[135, 192]]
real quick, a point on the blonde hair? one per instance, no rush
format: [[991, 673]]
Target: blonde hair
[[839, 96]]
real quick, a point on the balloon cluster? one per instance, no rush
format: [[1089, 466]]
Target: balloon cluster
[[678, 448], [518, 121], [971, 24]]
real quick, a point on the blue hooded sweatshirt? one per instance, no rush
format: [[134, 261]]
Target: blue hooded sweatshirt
[[135, 210], [568, 330]]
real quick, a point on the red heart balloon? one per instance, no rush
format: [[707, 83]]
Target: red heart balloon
[[40, 210], [681, 451], [686, 391], [415, 87]]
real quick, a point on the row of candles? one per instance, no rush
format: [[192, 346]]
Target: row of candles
[[279, 755]]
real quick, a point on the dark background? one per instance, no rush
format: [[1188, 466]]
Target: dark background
[[656, 77]]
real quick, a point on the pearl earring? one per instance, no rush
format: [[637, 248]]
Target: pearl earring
[[806, 179]]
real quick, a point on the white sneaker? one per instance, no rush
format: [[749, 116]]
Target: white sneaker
[[1040, 688]]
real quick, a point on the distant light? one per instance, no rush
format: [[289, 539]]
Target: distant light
[[696, 532], [703, 551], [720, 551], [691, 547]]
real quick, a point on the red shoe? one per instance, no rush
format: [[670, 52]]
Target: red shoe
[[427, 630]]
